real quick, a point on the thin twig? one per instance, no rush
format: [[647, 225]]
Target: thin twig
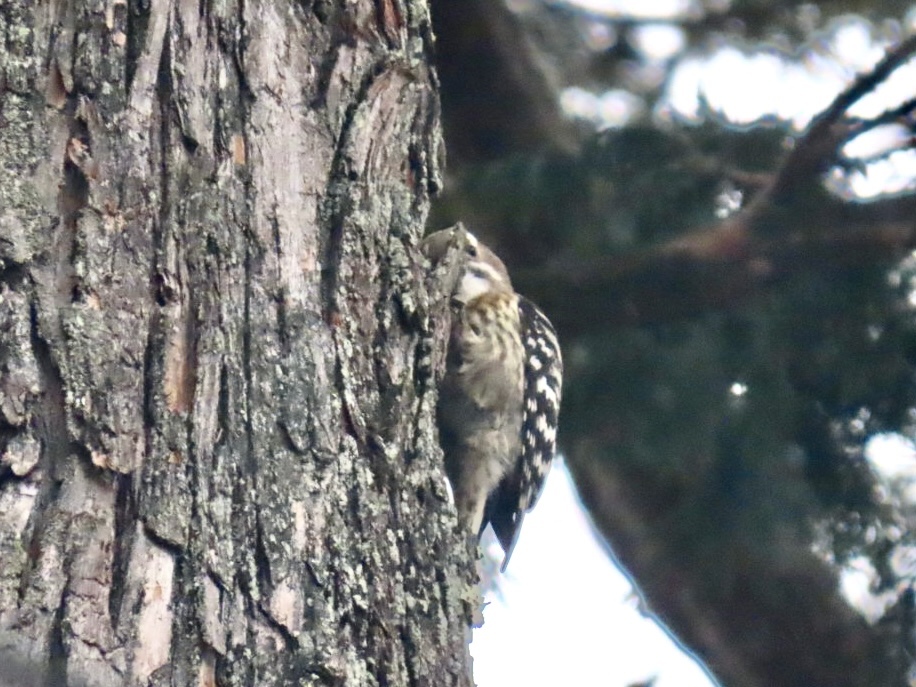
[[867, 82], [820, 146], [892, 116]]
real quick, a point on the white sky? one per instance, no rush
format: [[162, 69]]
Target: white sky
[[644, 9], [568, 615], [892, 458]]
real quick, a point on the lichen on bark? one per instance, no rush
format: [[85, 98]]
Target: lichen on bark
[[219, 458]]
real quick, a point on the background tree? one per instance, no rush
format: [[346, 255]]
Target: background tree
[[738, 321], [218, 461]]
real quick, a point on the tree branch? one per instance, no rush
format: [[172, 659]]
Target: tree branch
[[820, 146], [720, 265]]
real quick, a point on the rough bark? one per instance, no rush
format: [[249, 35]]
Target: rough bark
[[219, 462]]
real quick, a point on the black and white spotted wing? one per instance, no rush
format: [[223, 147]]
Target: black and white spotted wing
[[519, 490]]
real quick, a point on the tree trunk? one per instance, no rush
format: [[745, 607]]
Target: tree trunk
[[219, 462]]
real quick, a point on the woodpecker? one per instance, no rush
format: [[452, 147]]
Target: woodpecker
[[499, 400]]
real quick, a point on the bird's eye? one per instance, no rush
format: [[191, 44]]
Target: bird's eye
[[478, 272]]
